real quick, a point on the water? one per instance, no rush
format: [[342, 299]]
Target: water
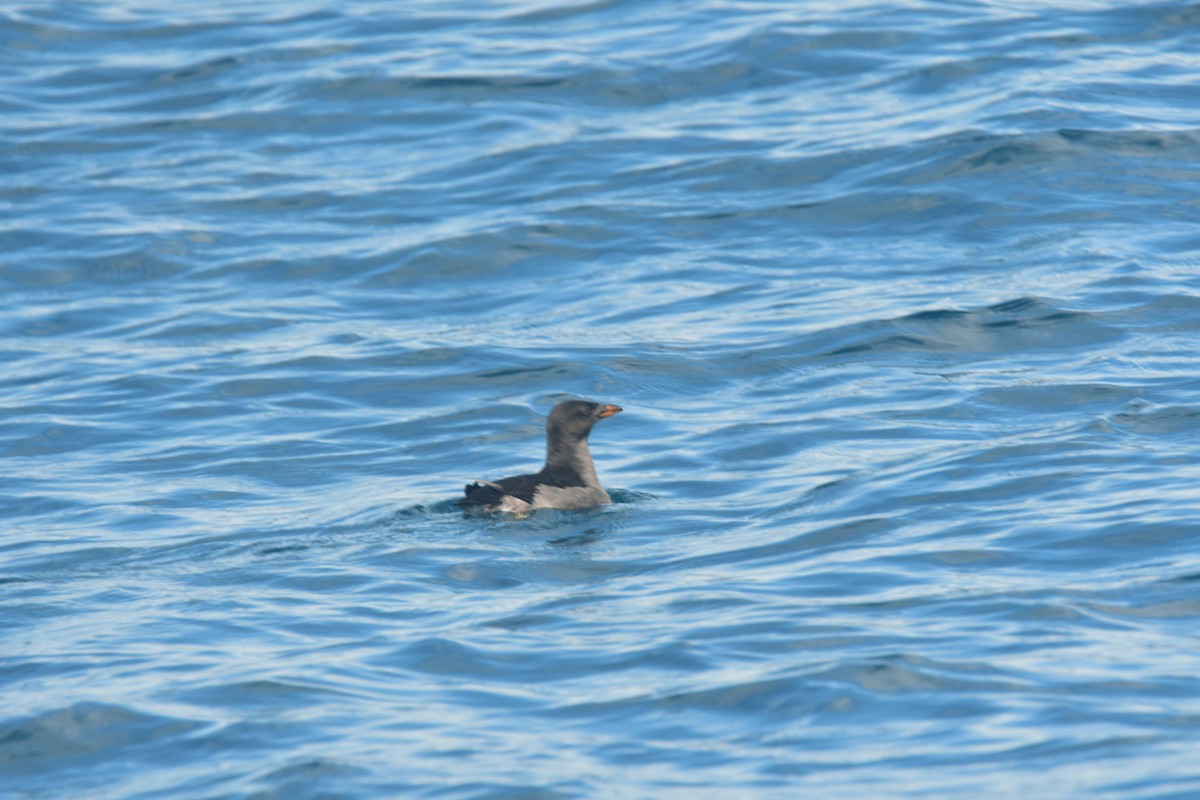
[[901, 301]]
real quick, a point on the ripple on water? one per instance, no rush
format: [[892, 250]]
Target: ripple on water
[[904, 490], [83, 735]]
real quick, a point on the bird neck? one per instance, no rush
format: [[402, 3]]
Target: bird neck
[[573, 458]]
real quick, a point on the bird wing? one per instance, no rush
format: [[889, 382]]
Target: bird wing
[[490, 493]]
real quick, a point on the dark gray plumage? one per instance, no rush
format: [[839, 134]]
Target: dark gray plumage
[[568, 479]]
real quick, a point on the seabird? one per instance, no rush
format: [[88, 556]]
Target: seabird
[[568, 480]]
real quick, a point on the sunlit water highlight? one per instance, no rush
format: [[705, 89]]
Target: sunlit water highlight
[[901, 301]]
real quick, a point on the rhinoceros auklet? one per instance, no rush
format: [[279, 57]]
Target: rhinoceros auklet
[[568, 480]]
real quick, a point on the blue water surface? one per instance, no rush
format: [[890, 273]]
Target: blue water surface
[[901, 299]]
